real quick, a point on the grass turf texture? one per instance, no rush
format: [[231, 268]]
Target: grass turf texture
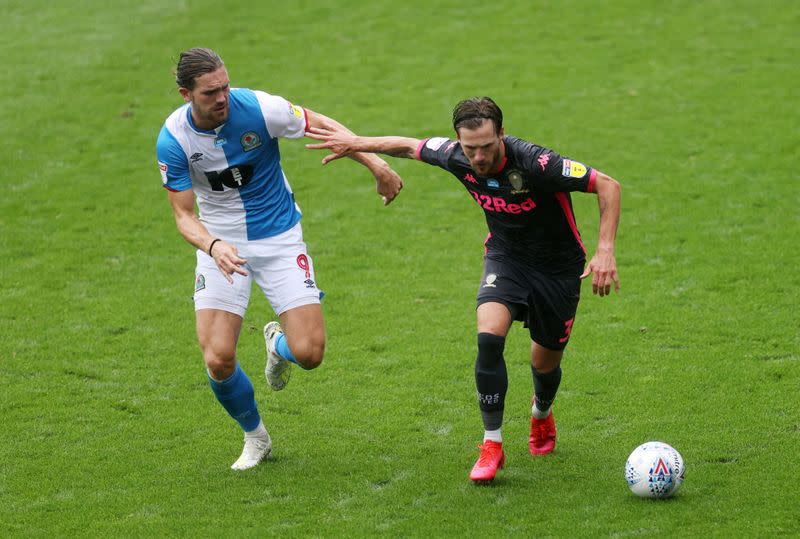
[[109, 427]]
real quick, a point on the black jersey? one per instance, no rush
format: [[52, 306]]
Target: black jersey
[[527, 203]]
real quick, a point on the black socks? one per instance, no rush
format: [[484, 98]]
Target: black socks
[[491, 379], [545, 386]]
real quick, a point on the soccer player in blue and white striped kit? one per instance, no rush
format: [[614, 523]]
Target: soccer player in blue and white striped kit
[[220, 149]]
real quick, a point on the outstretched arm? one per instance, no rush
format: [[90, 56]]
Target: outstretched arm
[[389, 183], [343, 143], [603, 265]]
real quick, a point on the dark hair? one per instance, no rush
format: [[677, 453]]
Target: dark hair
[[195, 62], [471, 113]]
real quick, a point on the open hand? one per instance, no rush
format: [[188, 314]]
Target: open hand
[[603, 268], [340, 143]]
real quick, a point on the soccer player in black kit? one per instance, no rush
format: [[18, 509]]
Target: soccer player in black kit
[[534, 259]]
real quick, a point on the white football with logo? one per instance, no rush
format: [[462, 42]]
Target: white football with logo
[[654, 470]]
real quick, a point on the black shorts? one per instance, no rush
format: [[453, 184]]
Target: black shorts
[[545, 303]]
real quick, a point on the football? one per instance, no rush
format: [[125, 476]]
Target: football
[[654, 470]]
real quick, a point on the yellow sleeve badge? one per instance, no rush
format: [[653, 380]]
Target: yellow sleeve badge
[[573, 169], [297, 111]]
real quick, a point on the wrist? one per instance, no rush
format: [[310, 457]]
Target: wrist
[[211, 247], [378, 165]]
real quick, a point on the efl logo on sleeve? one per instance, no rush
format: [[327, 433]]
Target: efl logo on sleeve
[[163, 168], [573, 169], [297, 111]]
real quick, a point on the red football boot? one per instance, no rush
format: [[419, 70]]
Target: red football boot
[[543, 435], [492, 458]]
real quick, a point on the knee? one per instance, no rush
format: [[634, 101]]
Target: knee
[[490, 349], [545, 360], [309, 353], [220, 363]]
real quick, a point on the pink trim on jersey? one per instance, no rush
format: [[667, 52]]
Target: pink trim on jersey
[[564, 203], [485, 248], [419, 149], [592, 178], [502, 165], [305, 113]]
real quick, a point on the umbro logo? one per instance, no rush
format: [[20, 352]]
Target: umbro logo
[[196, 157]]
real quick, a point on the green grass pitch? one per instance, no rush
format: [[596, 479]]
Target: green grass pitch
[[108, 425]]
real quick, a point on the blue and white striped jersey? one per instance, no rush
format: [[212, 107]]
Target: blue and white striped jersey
[[234, 170]]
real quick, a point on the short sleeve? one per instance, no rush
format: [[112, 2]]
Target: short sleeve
[[551, 172], [283, 119], [435, 151], [172, 162]]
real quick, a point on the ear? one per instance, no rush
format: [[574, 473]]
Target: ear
[[502, 132], [186, 94]]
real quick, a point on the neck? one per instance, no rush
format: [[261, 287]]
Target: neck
[[199, 123], [501, 158]]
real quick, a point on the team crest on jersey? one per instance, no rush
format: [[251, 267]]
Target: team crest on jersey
[[572, 169], [516, 181], [250, 141], [199, 283]]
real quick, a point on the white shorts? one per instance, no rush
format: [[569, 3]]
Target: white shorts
[[279, 265]]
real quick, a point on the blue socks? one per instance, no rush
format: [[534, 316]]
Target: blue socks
[[236, 395], [282, 347]]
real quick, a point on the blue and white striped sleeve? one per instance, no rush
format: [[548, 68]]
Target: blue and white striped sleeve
[[172, 162], [282, 118]]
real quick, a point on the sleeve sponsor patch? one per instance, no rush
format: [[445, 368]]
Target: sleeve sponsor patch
[[435, 143], [297, 111], [163, 168], [572, 169]]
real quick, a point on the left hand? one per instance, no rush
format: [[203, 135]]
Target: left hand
[[603, 267]]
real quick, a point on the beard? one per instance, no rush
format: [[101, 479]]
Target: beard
[[214, 117]]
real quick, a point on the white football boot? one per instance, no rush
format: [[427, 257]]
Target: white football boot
[[255, 450], [278, 369]]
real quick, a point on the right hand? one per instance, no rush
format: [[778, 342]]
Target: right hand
[[227, 258], [340, 143]]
